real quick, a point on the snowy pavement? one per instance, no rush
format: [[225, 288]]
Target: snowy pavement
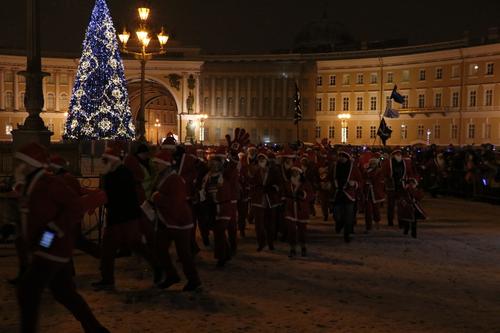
[[447, 280]]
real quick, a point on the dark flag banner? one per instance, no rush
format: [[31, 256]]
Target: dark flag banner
[[397, 97], [298, 110], [384, 132], [390, 112]]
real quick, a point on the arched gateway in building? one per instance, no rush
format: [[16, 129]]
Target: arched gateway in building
[[160, 108]]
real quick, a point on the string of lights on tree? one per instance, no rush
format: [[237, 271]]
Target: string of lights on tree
[[99, 107]]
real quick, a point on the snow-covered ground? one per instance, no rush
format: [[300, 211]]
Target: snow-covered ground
[[447, 280]]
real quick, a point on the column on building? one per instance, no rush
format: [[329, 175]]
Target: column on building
[[261, 96], [224, 97], [236, 96], [212, 95], [185, 92], [2, 89], [273, 96], [249, 97], [58, 82], [284, 96], [16, 90], [197, 92], [44, 90]]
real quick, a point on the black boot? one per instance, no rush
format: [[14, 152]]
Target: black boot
[[170, 281], [414, 229], [103, 285], [192, 286], [158, 274]]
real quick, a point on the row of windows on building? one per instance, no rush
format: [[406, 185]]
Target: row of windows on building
[[474, 70], [50, 125], [421, 132], [63, 78], [50, 101], [421, 101], [268, 104]]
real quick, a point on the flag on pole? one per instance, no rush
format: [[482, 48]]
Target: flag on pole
[[390, 112], [298, 110], [384, 132], [397, 96]]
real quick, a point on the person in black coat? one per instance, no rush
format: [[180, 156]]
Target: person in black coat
[[123, 216]]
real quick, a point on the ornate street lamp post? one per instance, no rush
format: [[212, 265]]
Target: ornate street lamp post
[[143, 56]]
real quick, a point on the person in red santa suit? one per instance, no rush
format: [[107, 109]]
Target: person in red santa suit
[[296, 194], [244, 194], [123, 216], [374, 194], [50, 211], [285, 160], [176, 223], [397, 171], [265, 198], [346, 179], [325, 188], [220, 190], [92, 200], [311, 175]]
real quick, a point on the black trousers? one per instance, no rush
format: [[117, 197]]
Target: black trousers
[[42, 273]]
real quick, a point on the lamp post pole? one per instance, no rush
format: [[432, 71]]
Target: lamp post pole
[[143, 57]]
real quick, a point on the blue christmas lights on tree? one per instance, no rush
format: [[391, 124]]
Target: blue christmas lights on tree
[[99, 107]]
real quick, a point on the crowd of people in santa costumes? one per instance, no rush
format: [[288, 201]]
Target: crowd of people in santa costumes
[[155, 201]]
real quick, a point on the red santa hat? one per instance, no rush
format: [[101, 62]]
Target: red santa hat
[[397, 151], [114, 151], [57, 162], [33, 154], [219, 152], [164, 157], [263, 153], [287, 153]]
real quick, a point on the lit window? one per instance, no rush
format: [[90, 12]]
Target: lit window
[[454, 131], [373, 78], [331, 132], [472, 131], [455, 99], [373, 103], [359, 132], [472, 98], [437, 131], [333, 80], [421, 101], [488, 98], [422, 75], [318, 132], [359, 103], [331, 104], [490, 69], [439, 73], [51, 102], [404, 132], [438, 100], [390, 77], [319, 103], [373, 132], [346, 104], [319, 81], [360, 79]]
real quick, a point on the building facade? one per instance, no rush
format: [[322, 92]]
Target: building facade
[[451, 90]]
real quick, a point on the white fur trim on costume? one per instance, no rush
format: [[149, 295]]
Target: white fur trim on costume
[[28, 159]]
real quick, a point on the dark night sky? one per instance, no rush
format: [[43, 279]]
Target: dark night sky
[[220, 26]]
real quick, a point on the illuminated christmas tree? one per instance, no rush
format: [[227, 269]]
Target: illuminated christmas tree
[[99, 107]]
